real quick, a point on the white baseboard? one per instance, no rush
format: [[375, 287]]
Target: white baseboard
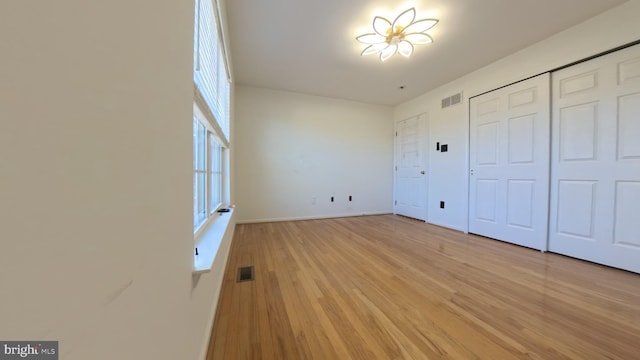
[[445, 225], [299, 218]]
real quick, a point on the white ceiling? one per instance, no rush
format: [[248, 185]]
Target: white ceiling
[[309, 46]]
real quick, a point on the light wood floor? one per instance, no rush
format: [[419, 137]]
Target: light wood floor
[[387, 287]]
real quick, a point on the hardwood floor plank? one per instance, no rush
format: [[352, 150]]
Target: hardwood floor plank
[[388, 287]]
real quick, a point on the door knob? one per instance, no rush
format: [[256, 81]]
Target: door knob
[[423, 172]]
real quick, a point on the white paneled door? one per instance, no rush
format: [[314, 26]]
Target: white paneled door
[[411, 168], [595, 186], [509, 163]]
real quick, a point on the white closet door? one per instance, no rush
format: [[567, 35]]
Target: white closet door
[[595, 187], [509, 159], [411, 168]]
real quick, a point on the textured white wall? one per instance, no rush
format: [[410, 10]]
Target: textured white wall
[[96, 238], [290, 148], [448, 171]]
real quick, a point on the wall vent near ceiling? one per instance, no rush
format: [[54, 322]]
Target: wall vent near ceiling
[[452, 100], [456, 99]]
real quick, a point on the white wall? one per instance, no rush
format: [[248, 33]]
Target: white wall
[[96, 238], [292, 147], [205, 292], [448, 171]]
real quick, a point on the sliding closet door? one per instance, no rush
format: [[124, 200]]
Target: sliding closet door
[[509, 159], [595, 187]]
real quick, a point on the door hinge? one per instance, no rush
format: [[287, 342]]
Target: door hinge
[[395, 202], [396, 133], [397, 168]]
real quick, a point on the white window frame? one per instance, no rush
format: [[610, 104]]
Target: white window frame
[[214, 165], [211, 78], [211, 100], [214, 173], [200, 172]]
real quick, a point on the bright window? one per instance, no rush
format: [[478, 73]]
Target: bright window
[[215, 173], [211, 113], [210, 71], [199, 173], [207, 173]]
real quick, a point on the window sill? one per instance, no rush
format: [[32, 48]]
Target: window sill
[[209, 240]]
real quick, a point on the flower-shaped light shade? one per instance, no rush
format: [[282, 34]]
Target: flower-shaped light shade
[[398, 36]]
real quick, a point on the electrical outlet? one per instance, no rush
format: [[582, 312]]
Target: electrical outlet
[[441, 204]]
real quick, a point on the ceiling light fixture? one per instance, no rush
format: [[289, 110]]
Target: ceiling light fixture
[[398, 37]]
